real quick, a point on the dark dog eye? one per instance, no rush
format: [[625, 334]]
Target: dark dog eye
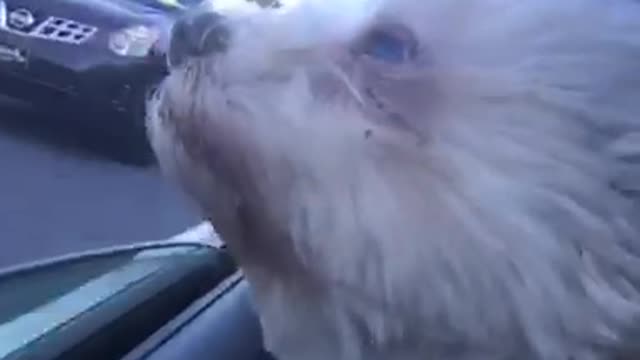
[[389, 45], [268, 3]]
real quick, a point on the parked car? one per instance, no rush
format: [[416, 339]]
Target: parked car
[[181, 298], [90, 62]]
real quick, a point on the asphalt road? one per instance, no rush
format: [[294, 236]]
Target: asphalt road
[[56, 199]]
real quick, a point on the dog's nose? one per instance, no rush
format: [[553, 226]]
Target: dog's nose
[[197, 34]]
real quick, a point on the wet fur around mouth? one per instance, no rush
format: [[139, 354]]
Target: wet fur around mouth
[[477, 203]]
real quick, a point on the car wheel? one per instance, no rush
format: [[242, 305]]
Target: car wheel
[[133, 147]]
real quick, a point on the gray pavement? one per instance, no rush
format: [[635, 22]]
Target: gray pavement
[[54, 200]]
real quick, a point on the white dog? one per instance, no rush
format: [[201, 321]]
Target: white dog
[[418, 179]]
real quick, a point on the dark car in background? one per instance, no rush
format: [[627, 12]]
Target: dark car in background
[[92, 63]]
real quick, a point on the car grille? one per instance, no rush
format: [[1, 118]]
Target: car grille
[[64, 30], [33, 24]]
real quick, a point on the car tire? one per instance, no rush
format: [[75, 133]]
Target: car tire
[[133, 147]]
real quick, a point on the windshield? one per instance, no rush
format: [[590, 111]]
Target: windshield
[[36, 302], [180, 2], [172, 3]]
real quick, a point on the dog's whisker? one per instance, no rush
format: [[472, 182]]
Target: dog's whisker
[[351, 88]]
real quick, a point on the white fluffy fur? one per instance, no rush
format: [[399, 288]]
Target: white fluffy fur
[[493, 223]]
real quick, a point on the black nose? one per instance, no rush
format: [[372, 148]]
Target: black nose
[[197, 34]]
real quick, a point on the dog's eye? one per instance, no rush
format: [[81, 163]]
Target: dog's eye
[[390, 45], [268, 3]]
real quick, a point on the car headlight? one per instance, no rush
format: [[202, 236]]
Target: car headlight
[[135, 41]]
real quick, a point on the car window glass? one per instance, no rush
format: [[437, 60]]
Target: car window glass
[[37, 302]]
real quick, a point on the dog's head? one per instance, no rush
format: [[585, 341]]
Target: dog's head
[[394, 142], [318, 108], [470, 146]]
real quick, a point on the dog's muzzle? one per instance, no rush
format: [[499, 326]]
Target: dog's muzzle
[[197, 34]]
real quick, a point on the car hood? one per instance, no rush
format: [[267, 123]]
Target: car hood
[[167, 7], [104, 13], [117, 11]]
